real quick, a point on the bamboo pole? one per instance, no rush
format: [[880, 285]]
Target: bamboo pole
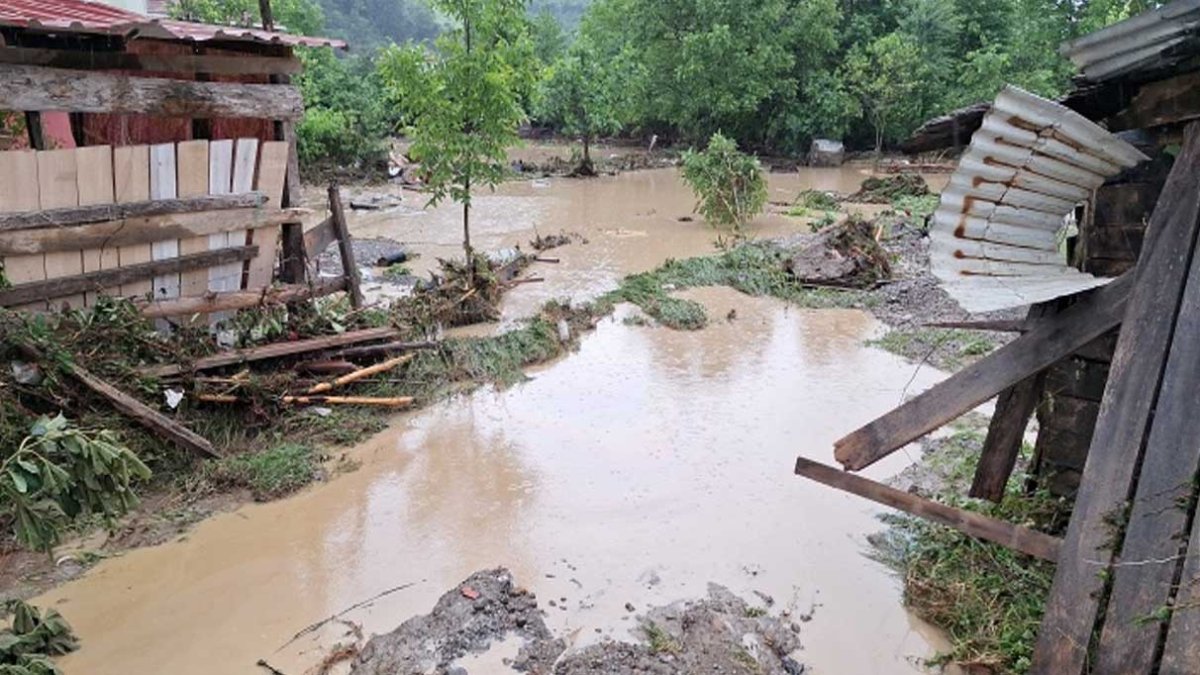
[[363, 373]]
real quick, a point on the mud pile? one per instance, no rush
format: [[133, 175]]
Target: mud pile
[[720, 633], [842, 255]]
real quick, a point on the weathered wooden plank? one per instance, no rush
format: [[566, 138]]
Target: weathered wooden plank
[[319, 238], [1029, 542], [345, 246], [18, 175], [94, 281], [192, 176], [39, 88], [99, 213], [1168, 101], [219, 302], [272, 167], [58, 187], [242, 64], [1181, 652], [131, 231], [292, 264], [95, 164], [131, 177], [163, 186], [273, 351], [1050, 340], [1078, 378], [1133, 382], [228, 276], [1158, 517]]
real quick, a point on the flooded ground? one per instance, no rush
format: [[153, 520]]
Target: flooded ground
[[631, 473], [670, 468], [631, 222]]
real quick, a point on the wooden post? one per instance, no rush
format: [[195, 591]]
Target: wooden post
[[33, 125], [1006, 432], [1129, 399], [346, 246], [294, 266]]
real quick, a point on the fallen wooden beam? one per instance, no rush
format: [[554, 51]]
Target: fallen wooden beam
[[141, 230], [361, 374], [1029, 542], [1049, 341], [345, 246], [272, 351], [103, 279], [242, 64], [80, 91], [99, 213], [1121, 429], [231, 300], [385, 348], [131, 407], [996, 325], [327, 367]]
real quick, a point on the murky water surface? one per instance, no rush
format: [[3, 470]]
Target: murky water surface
[[636, 471]]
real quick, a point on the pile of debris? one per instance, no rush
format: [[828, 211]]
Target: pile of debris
[[844, 255], [885, 190], [719, 634]]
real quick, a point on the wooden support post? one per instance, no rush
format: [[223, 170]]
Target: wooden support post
[[1051, 340], [273, 351], [345, 246], [33, 126], [1129, 399], [294, 266], [1006, 432], [1029, 542]]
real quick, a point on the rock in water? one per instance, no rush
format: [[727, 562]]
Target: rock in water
[[825, 152]]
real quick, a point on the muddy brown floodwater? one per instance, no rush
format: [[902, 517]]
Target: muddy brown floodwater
[[637, 470]]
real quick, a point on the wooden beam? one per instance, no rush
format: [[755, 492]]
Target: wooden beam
[[39, 88], [319, 238], [144, 230], [385, 348], [231, 300], [98, 213], [273, 351], [248, 64], [1006, 431], [132, 408], [345, 246], [293, 268], [1182, 649], [1029, 542], [1168, 101], [94, 282], [997, 325], [1129, 399], [1051, 340], [33, 126]]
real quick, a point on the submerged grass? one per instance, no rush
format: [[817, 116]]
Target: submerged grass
[[276, 472], [987, 598], [946, 348], [754, 268]]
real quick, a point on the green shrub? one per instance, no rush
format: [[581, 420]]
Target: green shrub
[[730, 184]]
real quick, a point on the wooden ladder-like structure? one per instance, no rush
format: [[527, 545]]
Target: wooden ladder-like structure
[[1126, 593]]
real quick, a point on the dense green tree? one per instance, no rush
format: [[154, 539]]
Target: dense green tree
[[885, 75], [549, 39], [461, 102], [586, 96], [302, 17]]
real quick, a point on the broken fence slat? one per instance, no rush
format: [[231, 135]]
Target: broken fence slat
[[1051, 340], [1029, 542], [1133, 383], [109, 278], [99, 213], [319, 238], [345, 246], [273, 351]]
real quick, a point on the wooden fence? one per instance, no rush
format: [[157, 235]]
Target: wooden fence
[[194, 219]]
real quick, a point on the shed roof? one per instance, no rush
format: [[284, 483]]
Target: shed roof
[[84, 17], [1150, 40]]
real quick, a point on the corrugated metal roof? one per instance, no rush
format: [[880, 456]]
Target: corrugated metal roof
[[81, 16], [995, 233], [1148, 38]]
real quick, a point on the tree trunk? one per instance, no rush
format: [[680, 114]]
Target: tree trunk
[[467, 236], [587, 152]]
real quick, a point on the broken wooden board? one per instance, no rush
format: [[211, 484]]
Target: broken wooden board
[[272, 171], [131, 178], [1049, 341], [345, 246]]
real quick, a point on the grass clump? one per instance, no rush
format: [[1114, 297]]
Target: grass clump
[[817, 200], [660, 642], [946, 348], [987, 598], [271, 474]]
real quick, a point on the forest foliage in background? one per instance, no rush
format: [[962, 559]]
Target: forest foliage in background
[[770, 74]]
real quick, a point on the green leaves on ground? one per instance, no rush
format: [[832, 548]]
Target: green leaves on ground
[[60, 473], [730, 184], [31, 638]]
